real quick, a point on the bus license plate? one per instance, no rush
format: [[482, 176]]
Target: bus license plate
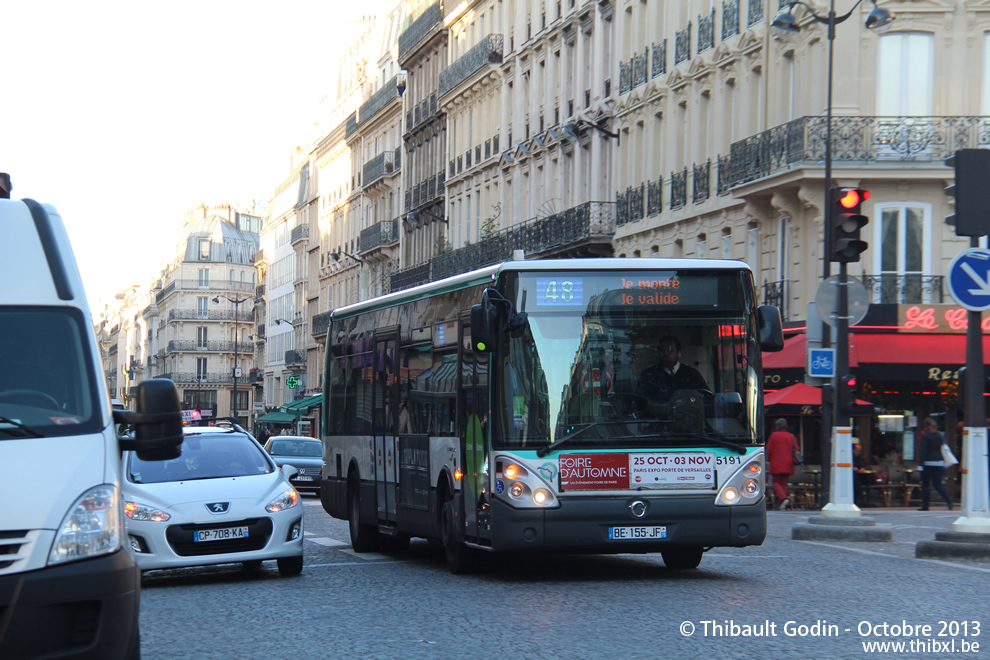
[[636, 533], [224, 534]]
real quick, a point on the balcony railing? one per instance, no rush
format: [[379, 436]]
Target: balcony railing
[[382, 233], [755, 12], [485, 52], [295, 357], [188, 377], [730, 18], [724, 169], [639, 67], [374, 169], [218, 286], [298, 233], [906, 289], [682, 45], [177, 345], [209, 315], [702, 189], [775, 293], [378, 100], [659, 59], [857, 140], [678, 189], [419, 28], [706, 32], [574, 226], [321, 323], [654, 197]]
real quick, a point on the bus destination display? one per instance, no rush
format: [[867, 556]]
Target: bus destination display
[[649, 290]]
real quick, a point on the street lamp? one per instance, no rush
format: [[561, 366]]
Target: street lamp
[[787, 25], [237, 307], [337, 255]]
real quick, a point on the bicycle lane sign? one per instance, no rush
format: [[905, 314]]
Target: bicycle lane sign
[[821, 362]]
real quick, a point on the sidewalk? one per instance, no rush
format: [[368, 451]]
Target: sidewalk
[[907, 525]]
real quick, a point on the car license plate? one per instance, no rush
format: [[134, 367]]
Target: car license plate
[[302, 477], [224, 534], [636, 533]]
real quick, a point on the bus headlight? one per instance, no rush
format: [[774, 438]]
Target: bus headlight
[[517, 490], [745, 486], [541, 496]]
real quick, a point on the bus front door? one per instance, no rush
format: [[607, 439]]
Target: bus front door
[[473, 412], [384, 412]]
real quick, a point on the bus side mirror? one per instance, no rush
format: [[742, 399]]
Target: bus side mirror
[[157, 421], [771, 328], [484, 324]]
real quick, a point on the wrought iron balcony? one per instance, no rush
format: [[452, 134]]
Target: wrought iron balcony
[[485, 52], [179, 345], [730, 18], [382, 233], [678, 189], [860, 140], [376, 168], [571, 228], [209, 315], [190, 377], [654, 197], [378, 100], [682, 45], [706, 32], [775, 293], [419, 28], [298, 233], [701, 177], [321, 323], [210, 286], [724, 169], [295, 357], [755, 12], [906, 289], [259, 291], [350, 124], [256, 376], [639, 67], [659, 59]]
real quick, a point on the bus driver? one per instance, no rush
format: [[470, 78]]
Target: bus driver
[[657, 384]]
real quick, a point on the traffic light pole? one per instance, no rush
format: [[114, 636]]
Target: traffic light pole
[[975, 497]]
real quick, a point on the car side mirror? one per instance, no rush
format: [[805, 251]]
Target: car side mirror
[[157, 421], [771, 328]]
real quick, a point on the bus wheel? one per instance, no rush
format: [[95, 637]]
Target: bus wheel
[[460, 558], [364, 538], [681, 558]]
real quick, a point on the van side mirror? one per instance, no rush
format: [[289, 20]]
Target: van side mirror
[[771, 328], [157, 421], [484, 324]]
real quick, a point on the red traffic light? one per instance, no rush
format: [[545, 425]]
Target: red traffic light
[[853, 197], [851, 381]]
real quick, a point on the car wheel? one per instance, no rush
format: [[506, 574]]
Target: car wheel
[[682, 558], [364, 538], [460, 558], [290, 566]]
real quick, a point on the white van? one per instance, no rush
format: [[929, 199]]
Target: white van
[[68, 585]]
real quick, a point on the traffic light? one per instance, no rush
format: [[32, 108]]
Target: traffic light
[[846, 223], [972, 192], [847, 394]]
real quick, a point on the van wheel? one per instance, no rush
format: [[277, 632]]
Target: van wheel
[[682, 558], [460, 558], [134, 653], [290, 566], [364, 538]]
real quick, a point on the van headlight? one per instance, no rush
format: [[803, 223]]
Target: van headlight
[[746, 486], [90, 528]]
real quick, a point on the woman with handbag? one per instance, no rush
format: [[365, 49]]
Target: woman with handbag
[[933, 465], [780, 450]]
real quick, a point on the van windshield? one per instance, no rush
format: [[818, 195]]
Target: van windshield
[[47, 383]]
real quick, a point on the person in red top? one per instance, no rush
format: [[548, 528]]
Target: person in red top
[[780, 461]]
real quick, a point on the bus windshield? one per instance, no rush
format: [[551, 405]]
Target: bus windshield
[[603, 360]]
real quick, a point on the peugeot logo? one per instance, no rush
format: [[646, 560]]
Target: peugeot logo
[[218, 507], [638, 508]]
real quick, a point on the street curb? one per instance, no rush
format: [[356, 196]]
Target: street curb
[[838, 521], [952, 550], [836, 531]]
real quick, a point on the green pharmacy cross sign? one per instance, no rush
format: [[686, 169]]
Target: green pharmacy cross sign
[[292, 382]]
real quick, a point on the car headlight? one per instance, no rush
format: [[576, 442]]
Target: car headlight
[[286, 500], [90, 528], [138, 511]]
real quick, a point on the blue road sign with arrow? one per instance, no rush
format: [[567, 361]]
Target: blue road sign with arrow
[[969, 279]]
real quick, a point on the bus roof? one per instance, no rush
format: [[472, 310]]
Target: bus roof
[[491, 273]]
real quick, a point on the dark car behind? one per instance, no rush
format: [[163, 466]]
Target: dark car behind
[[301, 452]]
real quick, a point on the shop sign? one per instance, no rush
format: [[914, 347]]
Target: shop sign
[[936, 319]]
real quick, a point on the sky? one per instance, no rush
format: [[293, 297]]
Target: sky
[[126, 115]]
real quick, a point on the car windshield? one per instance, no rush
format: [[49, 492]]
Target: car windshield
[[204, 456], [297, 447], [47, 386]]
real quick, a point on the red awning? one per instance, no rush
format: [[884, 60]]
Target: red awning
[[801, 399], [884, 348]]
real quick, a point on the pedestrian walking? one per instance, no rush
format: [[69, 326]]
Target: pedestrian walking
[[780, 459], [932, 465]]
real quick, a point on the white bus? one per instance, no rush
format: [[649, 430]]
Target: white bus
[[515, 408]]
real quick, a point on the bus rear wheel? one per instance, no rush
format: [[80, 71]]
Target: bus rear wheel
[[364, 538], [682, 558], [460, 558]]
